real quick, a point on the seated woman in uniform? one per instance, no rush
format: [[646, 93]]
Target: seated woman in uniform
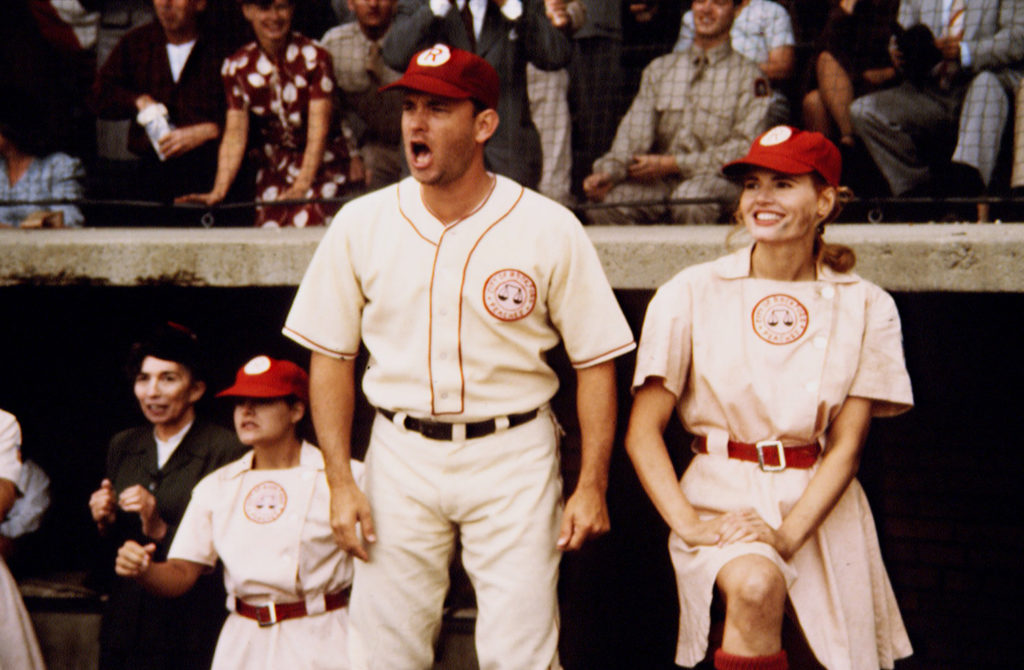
[[775, 358], [265, 516]]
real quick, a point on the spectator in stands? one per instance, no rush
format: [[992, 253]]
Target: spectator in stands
[[18, 645], [763, 33], [695, 111], [508, 34], [282, 85], [43, 65], [311, 18], [169, 65], [855, 61], [150, 473], [372, 118], [650, 28], [1017, 180], [597, 97], [548, 93], [27, 175], [964, 98]]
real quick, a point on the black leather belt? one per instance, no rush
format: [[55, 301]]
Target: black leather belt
[[439, 430]]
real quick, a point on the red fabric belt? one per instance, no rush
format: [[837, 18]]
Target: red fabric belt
[[268, 615], [771, 455]]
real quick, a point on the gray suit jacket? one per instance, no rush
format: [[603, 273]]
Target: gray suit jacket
[[993, 32], [514, 150]]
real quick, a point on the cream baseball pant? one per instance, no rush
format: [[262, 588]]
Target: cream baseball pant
[[502, 495]]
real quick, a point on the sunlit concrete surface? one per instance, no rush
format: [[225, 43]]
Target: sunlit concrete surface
[[900, 257]]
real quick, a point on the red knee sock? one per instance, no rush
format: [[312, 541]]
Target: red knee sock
[[727, 661]]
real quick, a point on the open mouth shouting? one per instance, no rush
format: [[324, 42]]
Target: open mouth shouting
[[420, 155]]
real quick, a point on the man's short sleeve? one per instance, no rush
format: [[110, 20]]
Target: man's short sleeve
[[583, 307], [325, 315], [780, 28]]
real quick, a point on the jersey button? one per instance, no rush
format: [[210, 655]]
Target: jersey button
[[828, 292]]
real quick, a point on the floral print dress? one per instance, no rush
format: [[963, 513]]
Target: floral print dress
[[277, 94]]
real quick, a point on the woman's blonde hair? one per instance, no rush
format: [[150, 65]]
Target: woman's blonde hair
[[839, 257]]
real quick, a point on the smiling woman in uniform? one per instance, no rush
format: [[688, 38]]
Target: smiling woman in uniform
[[775, 358], [265, 517]]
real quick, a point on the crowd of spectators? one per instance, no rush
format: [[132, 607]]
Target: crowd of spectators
[[227, 105]]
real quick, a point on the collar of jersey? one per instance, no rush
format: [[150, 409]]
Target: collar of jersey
[[309, 457], [737, 266]]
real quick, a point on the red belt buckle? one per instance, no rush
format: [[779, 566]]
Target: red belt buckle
[[771, 444]]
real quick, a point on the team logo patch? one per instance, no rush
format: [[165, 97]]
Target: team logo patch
[[779, 319], [509, 295], [776, 135], [265, 503], [435, 56]]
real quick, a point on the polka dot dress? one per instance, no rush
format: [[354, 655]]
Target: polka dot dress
[[277, 94]]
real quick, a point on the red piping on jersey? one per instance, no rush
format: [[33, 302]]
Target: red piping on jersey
[[310, 344], [462, 284], [410, 221]]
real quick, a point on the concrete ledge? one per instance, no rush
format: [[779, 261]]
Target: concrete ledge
[[912, 258]]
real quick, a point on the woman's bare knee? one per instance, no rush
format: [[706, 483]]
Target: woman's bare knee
[[753, 582]]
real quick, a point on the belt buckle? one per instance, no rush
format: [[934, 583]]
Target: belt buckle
[[271, 610], [773, 444]]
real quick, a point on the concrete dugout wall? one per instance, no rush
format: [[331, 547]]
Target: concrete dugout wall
[[943, 480]]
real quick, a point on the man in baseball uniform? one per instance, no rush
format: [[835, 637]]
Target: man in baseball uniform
[[458, 282]]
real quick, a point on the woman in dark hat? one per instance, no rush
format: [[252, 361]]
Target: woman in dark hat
[[150, 473], [775, 358]]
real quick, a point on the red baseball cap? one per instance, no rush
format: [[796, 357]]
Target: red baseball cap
[[266, 377], [453, 73], [791, 151]]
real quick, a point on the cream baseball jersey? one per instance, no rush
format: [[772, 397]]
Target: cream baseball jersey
[[457, 319], [270, 529], [804, 348]]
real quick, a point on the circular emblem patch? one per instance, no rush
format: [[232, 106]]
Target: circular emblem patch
[[265, 503], [779, 319], [437, 55], [509, 295], [776, 135]]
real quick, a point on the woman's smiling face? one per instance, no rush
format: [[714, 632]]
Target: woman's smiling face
[[776, 207]]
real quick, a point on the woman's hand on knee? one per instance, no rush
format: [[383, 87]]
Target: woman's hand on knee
[[702, 532], [748, 526]]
